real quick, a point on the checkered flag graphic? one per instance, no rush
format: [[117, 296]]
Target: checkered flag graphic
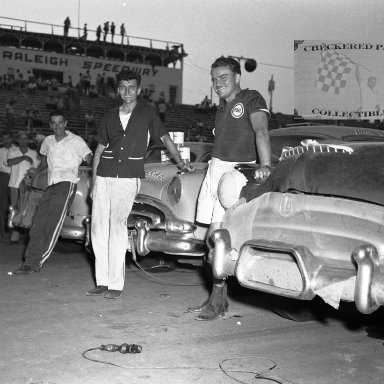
[[333, 71]]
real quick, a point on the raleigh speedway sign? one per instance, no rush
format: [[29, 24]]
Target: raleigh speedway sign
[[339, 80]]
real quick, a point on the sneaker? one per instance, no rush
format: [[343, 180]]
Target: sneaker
[[24, 270], [112, 294], [97, 291]]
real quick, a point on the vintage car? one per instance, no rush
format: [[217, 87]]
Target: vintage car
[[163, 216], [313, 228]]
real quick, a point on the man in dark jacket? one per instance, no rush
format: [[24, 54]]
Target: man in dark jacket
[[118, 166]]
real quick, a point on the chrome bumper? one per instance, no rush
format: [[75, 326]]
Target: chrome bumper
[[72, 233], [147, 240], [293, 271]]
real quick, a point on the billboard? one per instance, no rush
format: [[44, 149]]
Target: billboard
[[157, 79], [339, 80]]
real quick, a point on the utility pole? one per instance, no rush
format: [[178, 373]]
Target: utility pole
[[271, 88]]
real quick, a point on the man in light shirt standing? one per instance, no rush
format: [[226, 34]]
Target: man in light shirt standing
[[62, 153], [20, 159], [5, 171]]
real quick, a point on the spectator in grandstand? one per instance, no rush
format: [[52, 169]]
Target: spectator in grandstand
[[85, 32], [113, 28], [70, 82], [161, 98], [19, 80], [11, 74], [122, 33], [60, 105], [10, 115], [86, 83], [51, 102], [89, 119], [162, 107], [20, 159], [91, 141], [61, 153], [67, 25], [106, 30], [37, 122], [98, 33], [117, 168], [31, 85], [5, 171], [250, 127], [205, 105], [27, 117]]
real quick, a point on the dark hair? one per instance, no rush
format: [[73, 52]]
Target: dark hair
[[372, 77], [128, 76], [230, 62], [56, 112]]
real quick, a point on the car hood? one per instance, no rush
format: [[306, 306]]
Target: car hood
[[158, 176]]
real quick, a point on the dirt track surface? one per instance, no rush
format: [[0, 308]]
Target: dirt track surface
[[47, 322]]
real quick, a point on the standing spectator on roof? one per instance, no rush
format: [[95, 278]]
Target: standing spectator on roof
[[67, 25], [113, 27], [118, 167], [5, 172], [85, 32], [122, 33], [62, 153], [106, 30], [20, 159], [98, 33], [241, 135]]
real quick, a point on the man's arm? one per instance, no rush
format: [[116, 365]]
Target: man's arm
[[96, 160], [88, 158], [19, 159], [168, 142], [43, 164], [259, 121]]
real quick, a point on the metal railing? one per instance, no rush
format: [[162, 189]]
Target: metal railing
[[75, 32]]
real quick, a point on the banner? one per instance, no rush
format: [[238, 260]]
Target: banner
[[339, 80]]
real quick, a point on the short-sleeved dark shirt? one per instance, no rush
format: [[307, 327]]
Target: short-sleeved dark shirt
[[124, 152], [234, 136]]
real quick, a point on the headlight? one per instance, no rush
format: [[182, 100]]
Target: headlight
[[174, 190]]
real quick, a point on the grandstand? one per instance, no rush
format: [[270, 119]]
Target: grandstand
[[28, 47]]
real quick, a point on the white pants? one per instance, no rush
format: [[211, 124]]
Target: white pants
[[209, 208], [112, 203]]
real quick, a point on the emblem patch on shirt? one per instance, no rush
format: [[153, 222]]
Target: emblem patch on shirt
[[237, 111]]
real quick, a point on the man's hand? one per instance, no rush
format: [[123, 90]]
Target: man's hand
[[263, 172], [32, 172], [91, 192], [186, 167]]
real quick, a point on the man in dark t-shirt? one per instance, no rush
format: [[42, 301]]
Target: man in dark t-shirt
[[241, 135]]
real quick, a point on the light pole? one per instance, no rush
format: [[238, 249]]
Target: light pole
[[78, 18]]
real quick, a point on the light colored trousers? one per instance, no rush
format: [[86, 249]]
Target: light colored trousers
[[112, 203]]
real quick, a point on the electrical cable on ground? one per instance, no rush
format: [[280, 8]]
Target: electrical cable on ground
[[258, 375], [167, 282]]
